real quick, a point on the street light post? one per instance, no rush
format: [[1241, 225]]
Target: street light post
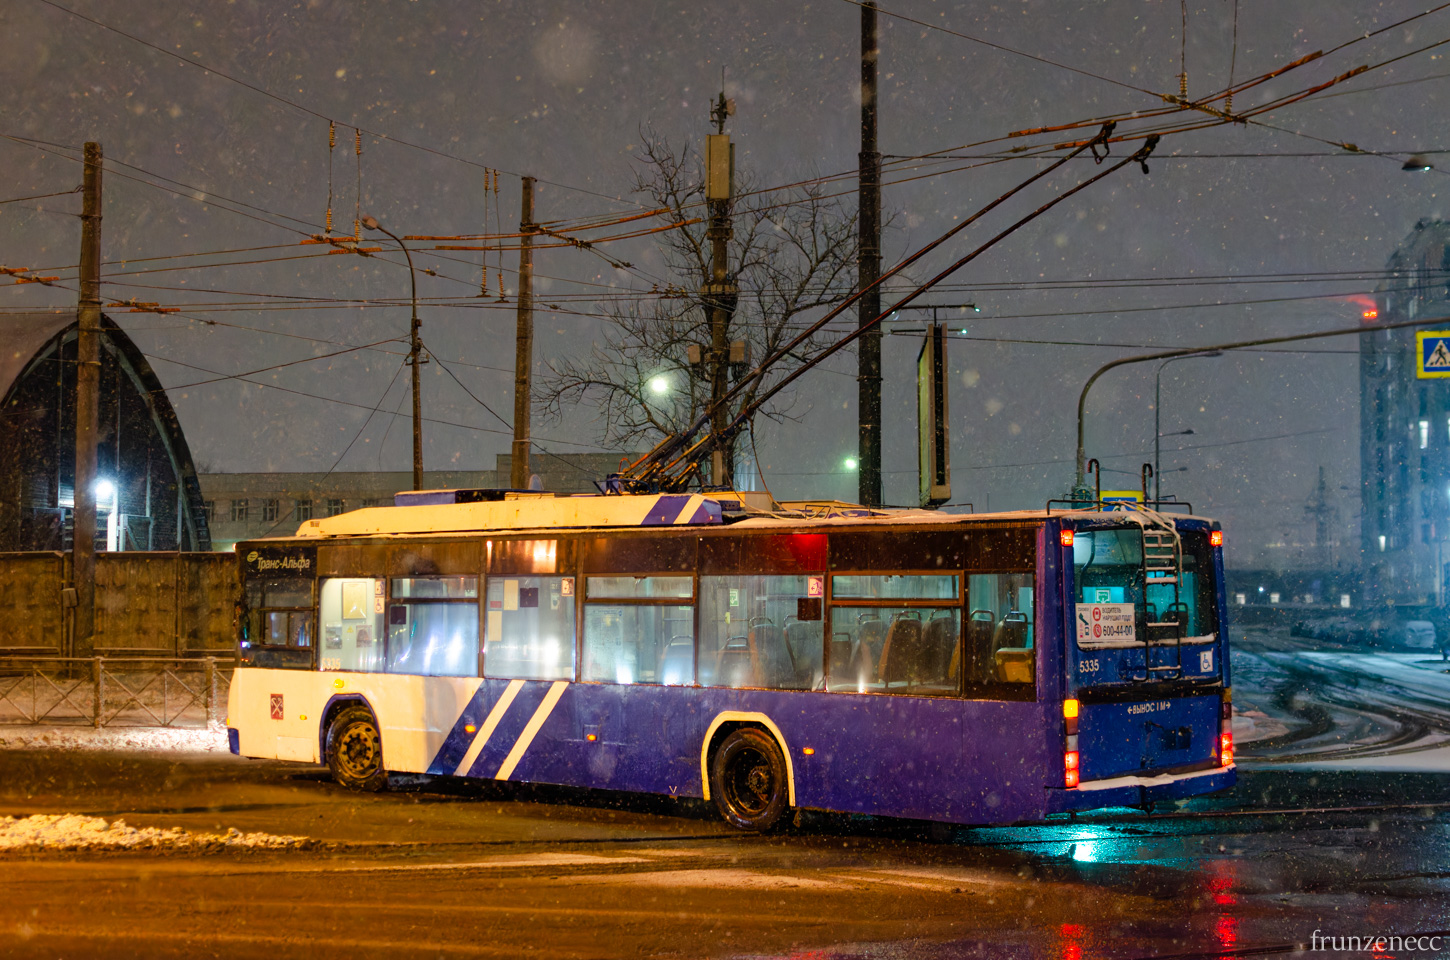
[[1157, 411], [414, 352]]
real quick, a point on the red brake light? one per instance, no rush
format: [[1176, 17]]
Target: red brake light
[[1215, 538], [1226, 748], [1069, 768], [1066, 537], [1370, 314]]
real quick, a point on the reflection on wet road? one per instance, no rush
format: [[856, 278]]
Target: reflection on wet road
[[1294, 852]]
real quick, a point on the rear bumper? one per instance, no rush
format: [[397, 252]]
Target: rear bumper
[[1136, 791]]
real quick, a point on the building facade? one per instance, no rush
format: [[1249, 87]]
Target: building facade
[[1404, 390], [247, 506]]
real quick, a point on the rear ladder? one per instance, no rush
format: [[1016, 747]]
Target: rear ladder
[[1162, 567]]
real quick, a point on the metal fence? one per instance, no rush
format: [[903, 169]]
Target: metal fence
[[114, 691]]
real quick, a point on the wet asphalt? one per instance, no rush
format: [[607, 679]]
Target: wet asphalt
[[442, 868]]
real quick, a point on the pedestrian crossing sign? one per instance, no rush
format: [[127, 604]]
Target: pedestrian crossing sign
[[1432, 350]]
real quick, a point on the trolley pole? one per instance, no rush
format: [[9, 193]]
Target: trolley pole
[[524, 347], [868, 270], [88, 376]]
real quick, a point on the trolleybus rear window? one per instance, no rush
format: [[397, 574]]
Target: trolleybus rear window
[[1109, 575]]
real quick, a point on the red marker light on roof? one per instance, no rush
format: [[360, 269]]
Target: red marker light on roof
[[1215, 538], [1066, 537]]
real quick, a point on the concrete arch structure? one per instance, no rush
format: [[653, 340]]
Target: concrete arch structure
[[141, 448]]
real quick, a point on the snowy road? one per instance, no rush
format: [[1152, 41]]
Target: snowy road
[[1361, 709], [440, 870]]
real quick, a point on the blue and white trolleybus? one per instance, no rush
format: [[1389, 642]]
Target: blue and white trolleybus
[[908, 663]]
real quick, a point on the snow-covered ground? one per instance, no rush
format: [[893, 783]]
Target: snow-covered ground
[[72, 832], [111, 739], [1352, 709]]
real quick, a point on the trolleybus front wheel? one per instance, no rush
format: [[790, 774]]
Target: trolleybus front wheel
[[748, 779], [355, 751]]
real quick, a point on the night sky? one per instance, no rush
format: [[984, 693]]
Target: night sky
[[1225, 228]]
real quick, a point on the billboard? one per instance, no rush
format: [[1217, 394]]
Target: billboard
[[933, 443]]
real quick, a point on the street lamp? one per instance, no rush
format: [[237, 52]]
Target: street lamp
[[1157, 419], [659, 385], [414, 352]]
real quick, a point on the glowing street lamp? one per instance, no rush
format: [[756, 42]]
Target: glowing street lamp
[[108, 499], [659, 385]]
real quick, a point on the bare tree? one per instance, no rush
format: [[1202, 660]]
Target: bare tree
[[793, 252]]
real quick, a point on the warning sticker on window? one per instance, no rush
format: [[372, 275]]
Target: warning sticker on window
[[1104, 622]]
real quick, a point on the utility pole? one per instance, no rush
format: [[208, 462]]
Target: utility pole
[[719, 294], [88, 376], [868, 270], [524, 348]]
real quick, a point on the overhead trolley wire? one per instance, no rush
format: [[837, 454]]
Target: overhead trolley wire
[[1001, 47], [303, 108]]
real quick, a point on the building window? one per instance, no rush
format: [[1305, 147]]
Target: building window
[[1382, 543], [1424, 434], [303, 510], [334, 506], [269, 510], [208, 510], [1424, 533], [239, 511], [371, 502]]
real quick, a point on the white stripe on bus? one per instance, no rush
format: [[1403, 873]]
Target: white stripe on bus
[[494, 716], [531, 730]]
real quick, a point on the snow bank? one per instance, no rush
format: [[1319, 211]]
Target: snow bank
[[70, 831], [114, 739]]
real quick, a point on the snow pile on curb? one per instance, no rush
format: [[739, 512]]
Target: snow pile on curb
[[126, 739], [70, 831]]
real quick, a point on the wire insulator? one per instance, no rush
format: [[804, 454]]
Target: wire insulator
[[1228, 103], [1183, 85], [332, 134], [359, 141]]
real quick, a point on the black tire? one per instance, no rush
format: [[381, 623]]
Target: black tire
[[748, 780], [355, 751]]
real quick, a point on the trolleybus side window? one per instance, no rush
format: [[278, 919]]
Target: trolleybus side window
[[277, 622], [433, 626], [761, 631], [352, 617], [638, 630], [529, 628], [895, 633], [762, 606], [1000, 649], [427, 626]]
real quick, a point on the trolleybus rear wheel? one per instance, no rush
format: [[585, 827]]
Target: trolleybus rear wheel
[[748, 779], [355, 751]]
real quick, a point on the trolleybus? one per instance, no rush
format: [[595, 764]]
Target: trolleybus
[[990, 668]]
